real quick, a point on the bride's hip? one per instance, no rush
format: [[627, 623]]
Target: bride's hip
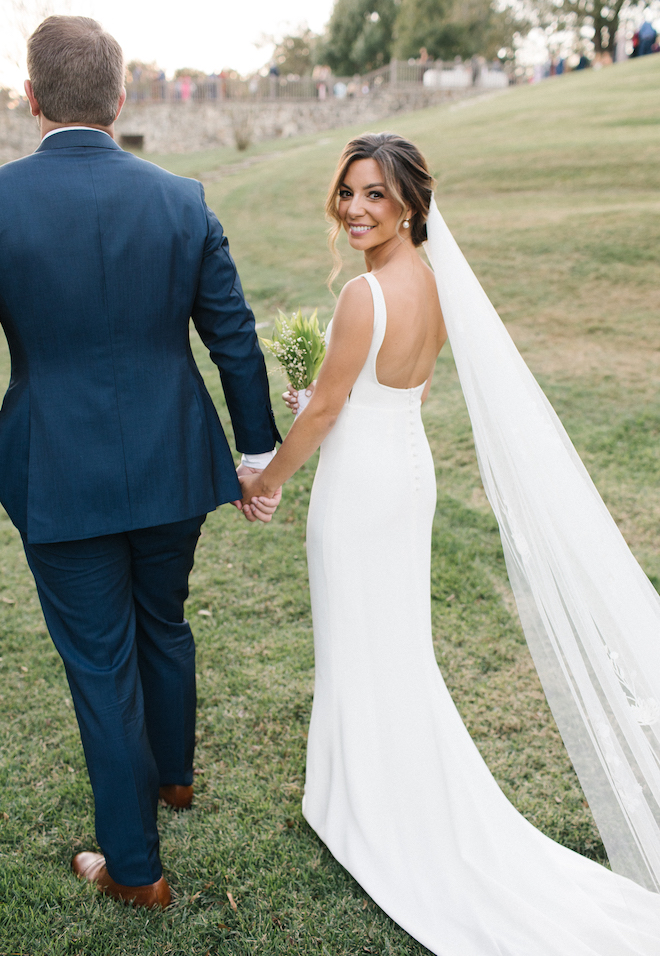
[[376, 439], [358, 496]]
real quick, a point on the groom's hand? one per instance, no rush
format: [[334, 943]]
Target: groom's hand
[[256, 507]]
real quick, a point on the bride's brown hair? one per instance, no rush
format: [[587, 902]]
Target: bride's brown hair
[[406, 176]]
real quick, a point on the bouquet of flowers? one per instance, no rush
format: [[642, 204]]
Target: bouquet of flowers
[[299, 345]]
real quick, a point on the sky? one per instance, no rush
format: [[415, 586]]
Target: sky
[[209, 35]]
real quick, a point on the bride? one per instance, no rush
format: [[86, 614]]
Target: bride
[[395, 786]]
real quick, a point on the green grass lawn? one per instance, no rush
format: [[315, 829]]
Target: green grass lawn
[[552, 192]]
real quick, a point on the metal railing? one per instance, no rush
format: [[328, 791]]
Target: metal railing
[[321, 87]]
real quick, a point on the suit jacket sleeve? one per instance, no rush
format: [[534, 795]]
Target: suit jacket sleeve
[[225, 323]]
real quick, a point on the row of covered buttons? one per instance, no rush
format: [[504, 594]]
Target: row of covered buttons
[[413, 411]]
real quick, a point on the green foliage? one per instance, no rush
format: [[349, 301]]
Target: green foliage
[[449, 28], [295, 53], [138, 70], [359, 36], [570, 15], [194, 74], [365, 34], [299, 346]]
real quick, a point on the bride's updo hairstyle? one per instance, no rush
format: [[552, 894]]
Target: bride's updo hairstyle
[[406, 176]]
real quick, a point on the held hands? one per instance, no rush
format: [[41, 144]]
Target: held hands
[[255, 505]]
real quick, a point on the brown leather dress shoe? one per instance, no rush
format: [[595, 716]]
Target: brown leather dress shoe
[[91, 866], [177, 796]]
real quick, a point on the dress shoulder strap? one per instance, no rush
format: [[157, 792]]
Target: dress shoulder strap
[[380, 320]]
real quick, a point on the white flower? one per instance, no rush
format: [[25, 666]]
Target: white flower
[[299, 345]]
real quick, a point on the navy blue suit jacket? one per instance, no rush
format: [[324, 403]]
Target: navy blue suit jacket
[[107, 425]]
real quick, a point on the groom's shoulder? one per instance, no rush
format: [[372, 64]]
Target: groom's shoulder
[[122, 163], [148, 171], [15, 168], [19, 180]]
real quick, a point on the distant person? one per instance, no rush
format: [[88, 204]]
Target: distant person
[[583, 63], [186, 88], [210, 86], [647, 37], [620, 46], [273, 77], [321, 76], [111, 450], [635, 44]]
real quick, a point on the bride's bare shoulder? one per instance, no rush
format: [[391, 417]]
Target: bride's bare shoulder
[[354, 302], [356, 290]]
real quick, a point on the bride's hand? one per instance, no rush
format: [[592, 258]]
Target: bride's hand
[[255, 505], [291, 396]]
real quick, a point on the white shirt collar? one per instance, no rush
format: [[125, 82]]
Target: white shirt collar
[[65, 129]]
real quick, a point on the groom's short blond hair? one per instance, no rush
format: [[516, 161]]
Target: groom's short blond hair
[[76, 70]]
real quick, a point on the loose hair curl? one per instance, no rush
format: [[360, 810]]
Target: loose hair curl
[[406, 176]]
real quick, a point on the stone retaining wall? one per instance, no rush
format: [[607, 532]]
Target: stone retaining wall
[[188, 127]]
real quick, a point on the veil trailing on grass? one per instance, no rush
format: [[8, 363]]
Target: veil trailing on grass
[[590, 615]]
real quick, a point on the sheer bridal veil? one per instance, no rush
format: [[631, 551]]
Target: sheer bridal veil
[[590, 615]]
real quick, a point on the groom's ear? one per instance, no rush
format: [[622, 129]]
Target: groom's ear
[[122, 100], [35, 109]]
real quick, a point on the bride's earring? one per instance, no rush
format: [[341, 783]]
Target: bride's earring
[[406, 223]]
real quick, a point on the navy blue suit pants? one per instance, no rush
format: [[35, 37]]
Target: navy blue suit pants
[[114, 609]]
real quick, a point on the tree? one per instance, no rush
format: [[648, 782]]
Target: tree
[[139, 71], [605, 17], [359, 36], [198, 76], [449, 28], [294, 53], [572, 15]]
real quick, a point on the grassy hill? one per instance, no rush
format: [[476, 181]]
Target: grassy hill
[[552, 192]]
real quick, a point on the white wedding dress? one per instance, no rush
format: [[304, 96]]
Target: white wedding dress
[[395, 786]]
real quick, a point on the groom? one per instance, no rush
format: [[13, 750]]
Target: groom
[[111, 451]]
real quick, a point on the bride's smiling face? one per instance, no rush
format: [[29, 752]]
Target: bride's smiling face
[[367, 210]]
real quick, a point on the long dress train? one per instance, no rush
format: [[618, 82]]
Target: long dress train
[[395, 786]]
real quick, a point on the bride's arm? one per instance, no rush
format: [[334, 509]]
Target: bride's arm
[[352, 331]]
